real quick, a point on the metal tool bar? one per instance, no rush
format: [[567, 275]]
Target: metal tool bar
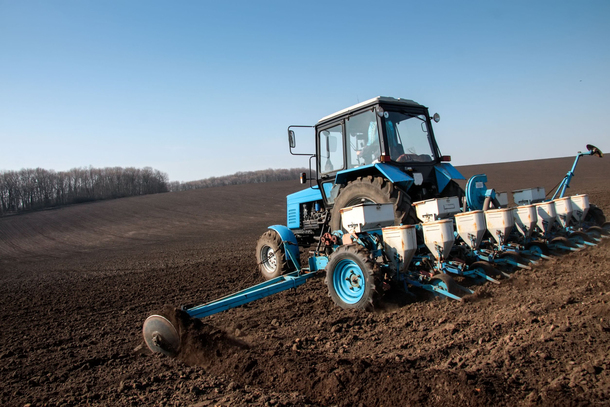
[[262, 290]]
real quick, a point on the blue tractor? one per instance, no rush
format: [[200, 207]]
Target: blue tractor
[[372, 160], [382, 150]]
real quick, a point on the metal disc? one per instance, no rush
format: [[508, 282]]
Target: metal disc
[[161, 336]]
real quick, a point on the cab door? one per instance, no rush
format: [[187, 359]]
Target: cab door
[[331, 157]]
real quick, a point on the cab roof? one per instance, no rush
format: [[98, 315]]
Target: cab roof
[[371, 102]]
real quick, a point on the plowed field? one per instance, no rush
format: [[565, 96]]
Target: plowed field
[[76, 284]]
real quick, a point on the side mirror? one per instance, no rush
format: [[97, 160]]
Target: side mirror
[[291, 139], [436, 117]]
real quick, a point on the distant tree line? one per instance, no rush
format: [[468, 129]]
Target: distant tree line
[[248, 177], [38, 188]]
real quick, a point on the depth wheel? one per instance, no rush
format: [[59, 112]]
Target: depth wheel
[[373, 190], [350, 278], [515, 257], [538, 248], [579, 238], [563, 241], [487, 268], [446, 283], [596, 232], [270, 255]]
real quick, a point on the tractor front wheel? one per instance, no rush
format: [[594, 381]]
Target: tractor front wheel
[[350, 278], [270, 255]]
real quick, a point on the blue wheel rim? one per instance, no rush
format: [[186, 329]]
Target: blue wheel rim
[[349, 281]]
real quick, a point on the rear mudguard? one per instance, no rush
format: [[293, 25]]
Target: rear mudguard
[[290, 244], [445, 172]]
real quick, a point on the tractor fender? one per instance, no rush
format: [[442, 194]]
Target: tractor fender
[[445, 172], [290, 243], [391, 173]]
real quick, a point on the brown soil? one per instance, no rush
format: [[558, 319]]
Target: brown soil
[[77, 283]]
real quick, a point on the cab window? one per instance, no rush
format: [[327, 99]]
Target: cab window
[[363, 138], [330, 142]]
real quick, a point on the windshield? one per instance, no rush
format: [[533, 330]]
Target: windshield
[[408, 137]]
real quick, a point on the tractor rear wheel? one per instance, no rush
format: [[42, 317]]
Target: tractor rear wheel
[[270, 255], [351, 279], [453, 189], [373, 190]]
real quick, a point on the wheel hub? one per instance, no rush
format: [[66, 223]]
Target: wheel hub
[[270, 262], [354, 281], [349, 282]]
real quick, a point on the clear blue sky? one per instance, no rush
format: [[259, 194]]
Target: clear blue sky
[[206, 88]]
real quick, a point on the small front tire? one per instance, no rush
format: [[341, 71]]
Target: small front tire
[[270, 255]]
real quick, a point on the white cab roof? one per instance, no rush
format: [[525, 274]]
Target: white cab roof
[[371, 102]]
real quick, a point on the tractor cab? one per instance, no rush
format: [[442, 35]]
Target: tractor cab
[[385, 144], [378, 135]]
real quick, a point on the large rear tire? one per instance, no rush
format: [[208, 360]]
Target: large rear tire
[[373, 190], [270, 255], [351, 279]]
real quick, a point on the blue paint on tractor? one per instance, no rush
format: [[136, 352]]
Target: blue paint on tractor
[[317, 263], [290, 243], [293, 205], [445, 172], [392, 173]]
